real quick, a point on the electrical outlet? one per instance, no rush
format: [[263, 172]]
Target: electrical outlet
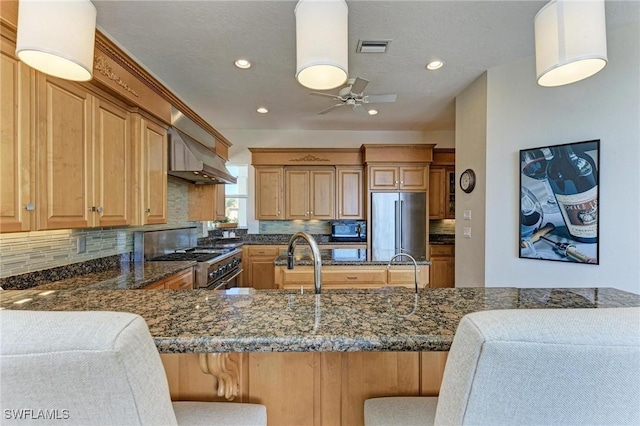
[[466, 232], [81, 244]]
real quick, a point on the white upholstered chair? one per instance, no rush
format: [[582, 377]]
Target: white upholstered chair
[[532, 367], [95, 368]]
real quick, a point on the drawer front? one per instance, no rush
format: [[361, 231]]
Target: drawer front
[[405, 275], [263, 250], [368, 276], [180, 281], [158, 285], [442, 250]]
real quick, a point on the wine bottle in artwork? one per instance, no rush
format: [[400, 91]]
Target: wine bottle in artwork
[[573, 180]]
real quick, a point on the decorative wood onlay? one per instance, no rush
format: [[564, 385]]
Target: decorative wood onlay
[[101, 65], [309, 157], [225, 370], [124, 60], [306, 156]]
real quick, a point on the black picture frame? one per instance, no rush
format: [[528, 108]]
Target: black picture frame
[[559, 208]]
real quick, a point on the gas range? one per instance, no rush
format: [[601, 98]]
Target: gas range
[[216, 269]]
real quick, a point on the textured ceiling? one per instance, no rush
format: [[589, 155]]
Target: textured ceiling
[[191, 47]]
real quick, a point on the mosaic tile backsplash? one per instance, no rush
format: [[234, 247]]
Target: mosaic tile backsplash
[[293, 226], [446, 226], [24, 252]]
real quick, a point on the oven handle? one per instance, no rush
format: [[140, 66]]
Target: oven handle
[[224, 282]]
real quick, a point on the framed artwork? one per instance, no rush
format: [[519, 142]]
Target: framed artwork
[[559, 202]]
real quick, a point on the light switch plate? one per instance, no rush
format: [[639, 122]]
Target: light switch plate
[[466, 215], [466, 232]]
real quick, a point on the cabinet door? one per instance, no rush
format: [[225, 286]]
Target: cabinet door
[[202, 202], [180, 281], [414, 178], [296, 201], [383, 177], [261, 273], [64, 143], [349, 190], [154, 143], [112, 161], [436, 193], [450, 193], [442, 266], [15, 144], [322, 196], [269, 194]]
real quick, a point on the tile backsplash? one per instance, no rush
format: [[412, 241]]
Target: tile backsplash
[[32, 251], [293, 226], [445, 226]]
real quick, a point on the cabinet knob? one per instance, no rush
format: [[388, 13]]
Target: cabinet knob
[[30, 207], [92, 209], [401, 181], [310, 212], [396, 181], [99, 209], [147, 211]]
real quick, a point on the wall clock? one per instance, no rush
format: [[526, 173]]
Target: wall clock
[[468, 180]]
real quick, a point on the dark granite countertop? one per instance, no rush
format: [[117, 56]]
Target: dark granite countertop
[[387, 319], [352, 257], [442, 239], [128, 276]]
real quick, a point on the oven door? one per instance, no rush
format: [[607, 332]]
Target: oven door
[[229, 280]]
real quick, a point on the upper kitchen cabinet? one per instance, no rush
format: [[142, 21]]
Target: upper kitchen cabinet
[[310, 193], [206, 202], [349, 190], [399, 167], [442, 185], [83, 146], [17, 200], [269, 193], [150, 166]]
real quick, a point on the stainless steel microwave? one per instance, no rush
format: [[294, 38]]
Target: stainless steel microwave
[[349, 231]]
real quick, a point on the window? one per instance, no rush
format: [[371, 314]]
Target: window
[[236, 195]]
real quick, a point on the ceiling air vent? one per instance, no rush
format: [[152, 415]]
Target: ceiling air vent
[[373, 46]]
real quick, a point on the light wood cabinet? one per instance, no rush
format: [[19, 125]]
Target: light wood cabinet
[[398, 178], [258, 265], [349, 190], [221, 207], [17, 191], [269, 188], [206, 202], [442, 265], [310, 194], [150, 167], [182, 280], [442, 185], [341, 277]]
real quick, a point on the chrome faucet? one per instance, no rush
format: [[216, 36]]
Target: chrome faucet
[[415, 267], [315, 252]]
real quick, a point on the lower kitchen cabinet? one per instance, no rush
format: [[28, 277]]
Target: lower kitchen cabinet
[[258, 265], [341, 277], [442, 266], [183, 280], [311, 388]]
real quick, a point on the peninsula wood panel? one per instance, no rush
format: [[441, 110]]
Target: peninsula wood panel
[[15, 143], [64, 144], [432, 366], [269, 193], [349, 193], [112, 160]]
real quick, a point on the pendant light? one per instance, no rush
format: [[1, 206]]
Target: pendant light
[[571, 41], [322, 43], [57, 37]]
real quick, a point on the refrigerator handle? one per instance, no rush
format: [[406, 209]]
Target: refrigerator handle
[[400, 227], [397, 225]]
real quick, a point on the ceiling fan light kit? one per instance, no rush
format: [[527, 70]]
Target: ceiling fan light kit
[[321, 43], [57, 37], [353, 96], [570, 40]]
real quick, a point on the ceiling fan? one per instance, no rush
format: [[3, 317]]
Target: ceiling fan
[[353, 95]]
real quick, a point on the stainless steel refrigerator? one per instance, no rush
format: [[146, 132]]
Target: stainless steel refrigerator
[[398, 224]]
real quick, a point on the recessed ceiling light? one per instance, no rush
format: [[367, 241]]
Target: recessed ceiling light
[[262, 110], [372, 111], [435, 65], [243, 64]]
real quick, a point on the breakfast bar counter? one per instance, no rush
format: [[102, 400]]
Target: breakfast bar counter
[[385, 319]]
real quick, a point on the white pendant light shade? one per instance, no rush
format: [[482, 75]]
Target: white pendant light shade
[[57, 37], [322, 43], [571, 41]]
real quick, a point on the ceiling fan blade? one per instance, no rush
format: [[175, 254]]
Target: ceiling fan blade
[[358, 86], [336, 97], [379, 99], [330, 108]]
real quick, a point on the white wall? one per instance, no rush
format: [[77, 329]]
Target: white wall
[[471, 143], [244, 139], [520, 115]]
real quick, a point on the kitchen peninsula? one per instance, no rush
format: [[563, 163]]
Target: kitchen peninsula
[[334, 350]]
